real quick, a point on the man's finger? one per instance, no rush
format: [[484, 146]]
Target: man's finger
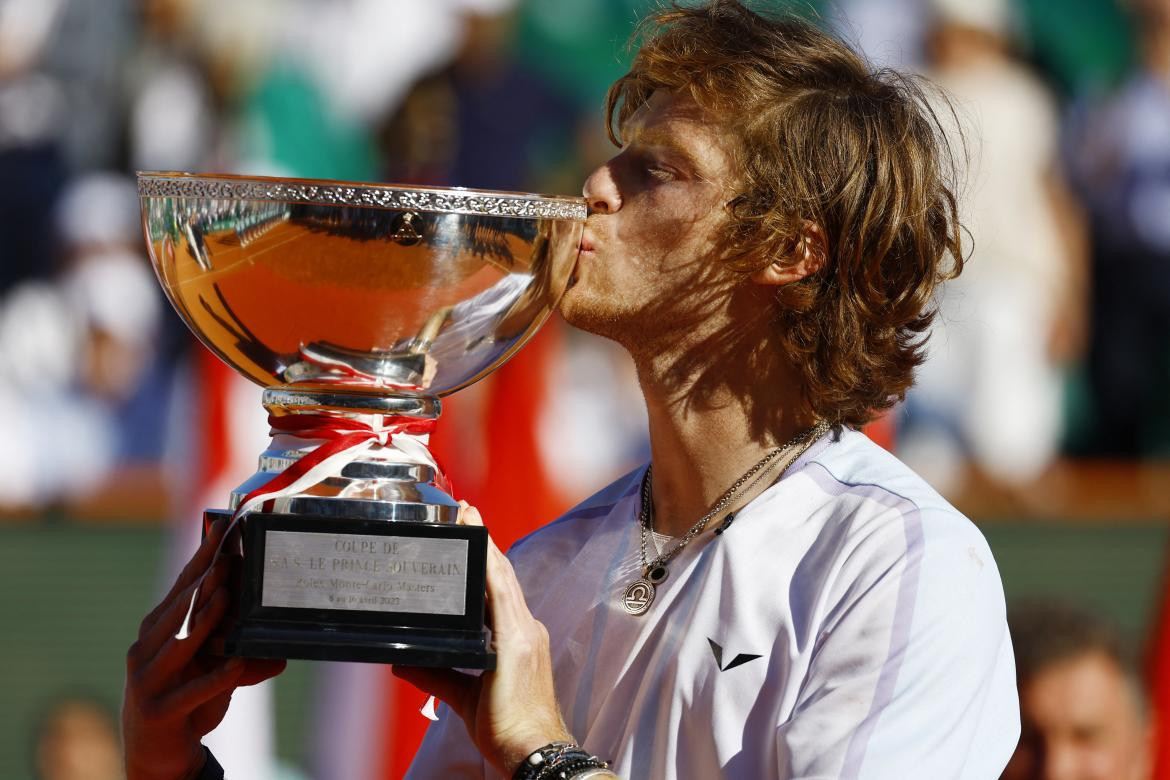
[[505, 597], [195, 567], [184, 699], [166, 624], [174, 655], [468, 515], [508, 611], [257, 670], [204, 555]]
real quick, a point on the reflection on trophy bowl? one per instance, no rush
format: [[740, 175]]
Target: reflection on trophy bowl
[[357, 307]]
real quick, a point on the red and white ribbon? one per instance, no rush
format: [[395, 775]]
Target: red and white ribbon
[[340, 441]]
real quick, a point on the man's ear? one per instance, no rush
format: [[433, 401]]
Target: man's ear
[[809, 256]]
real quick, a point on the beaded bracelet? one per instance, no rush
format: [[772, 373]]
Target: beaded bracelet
[[556, 761], [570, 766]]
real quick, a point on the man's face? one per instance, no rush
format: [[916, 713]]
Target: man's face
[[1080, 722], [649, 254]]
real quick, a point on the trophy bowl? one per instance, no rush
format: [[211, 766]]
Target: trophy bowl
[[356, 307]]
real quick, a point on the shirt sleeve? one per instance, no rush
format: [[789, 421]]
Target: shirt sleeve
[[913, 673], [446, 751]]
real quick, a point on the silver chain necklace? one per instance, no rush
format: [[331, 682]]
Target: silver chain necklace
[[639, 594]]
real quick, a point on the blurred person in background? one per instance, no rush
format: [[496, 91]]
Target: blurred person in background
[[991, 388], [75, 350], [1083, 711], [77, 739], [174, 110], [33, 168], [484, 121], [1120, 155]]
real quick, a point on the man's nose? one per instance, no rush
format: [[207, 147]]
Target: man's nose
[[601, 191]]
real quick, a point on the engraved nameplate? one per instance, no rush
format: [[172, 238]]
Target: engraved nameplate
[[363, 572]]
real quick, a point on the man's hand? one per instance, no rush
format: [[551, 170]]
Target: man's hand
[[175, 693], [511, 711]]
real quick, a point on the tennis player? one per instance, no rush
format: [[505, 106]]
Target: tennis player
[[773, 595]]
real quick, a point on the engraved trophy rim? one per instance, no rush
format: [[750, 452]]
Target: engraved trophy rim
[[334, 192]]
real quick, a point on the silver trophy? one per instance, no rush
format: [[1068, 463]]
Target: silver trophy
[[356, 307]]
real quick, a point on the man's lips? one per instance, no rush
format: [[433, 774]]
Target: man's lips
[[585, 248]]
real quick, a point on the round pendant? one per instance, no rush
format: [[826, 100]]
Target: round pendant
[[657, 575], [638, 596]]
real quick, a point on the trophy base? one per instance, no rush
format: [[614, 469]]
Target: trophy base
[[342, 589], [312, 644]]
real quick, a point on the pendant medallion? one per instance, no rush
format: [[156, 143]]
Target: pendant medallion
[[638, 596]]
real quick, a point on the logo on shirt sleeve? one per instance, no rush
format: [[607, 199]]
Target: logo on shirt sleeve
[[739, 660]]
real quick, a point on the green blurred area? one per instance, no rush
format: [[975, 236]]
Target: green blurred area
[[71, 598], [584, 46], [1085, 49]]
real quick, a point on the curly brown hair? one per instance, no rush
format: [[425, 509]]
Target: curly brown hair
[[823, 139]]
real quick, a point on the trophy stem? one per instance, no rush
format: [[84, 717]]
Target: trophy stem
[[383, 468]]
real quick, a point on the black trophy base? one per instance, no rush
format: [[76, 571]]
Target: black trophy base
[[337, 589], [408, 649]]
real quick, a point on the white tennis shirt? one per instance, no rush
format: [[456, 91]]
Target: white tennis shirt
[[849, 623]]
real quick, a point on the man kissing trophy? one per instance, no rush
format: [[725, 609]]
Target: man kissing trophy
[[773, 595]]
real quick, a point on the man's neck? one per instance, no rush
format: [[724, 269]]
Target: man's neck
[[699, 450]]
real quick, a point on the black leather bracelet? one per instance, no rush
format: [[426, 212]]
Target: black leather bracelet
[[552, 760], [571, 766], [538, 760]]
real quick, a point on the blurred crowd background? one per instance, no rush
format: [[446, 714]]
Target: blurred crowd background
[[1042, 412]]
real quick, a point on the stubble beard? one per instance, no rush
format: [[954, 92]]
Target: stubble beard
[[600, 313]]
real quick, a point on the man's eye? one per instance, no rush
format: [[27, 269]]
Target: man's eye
[[660, 173]]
